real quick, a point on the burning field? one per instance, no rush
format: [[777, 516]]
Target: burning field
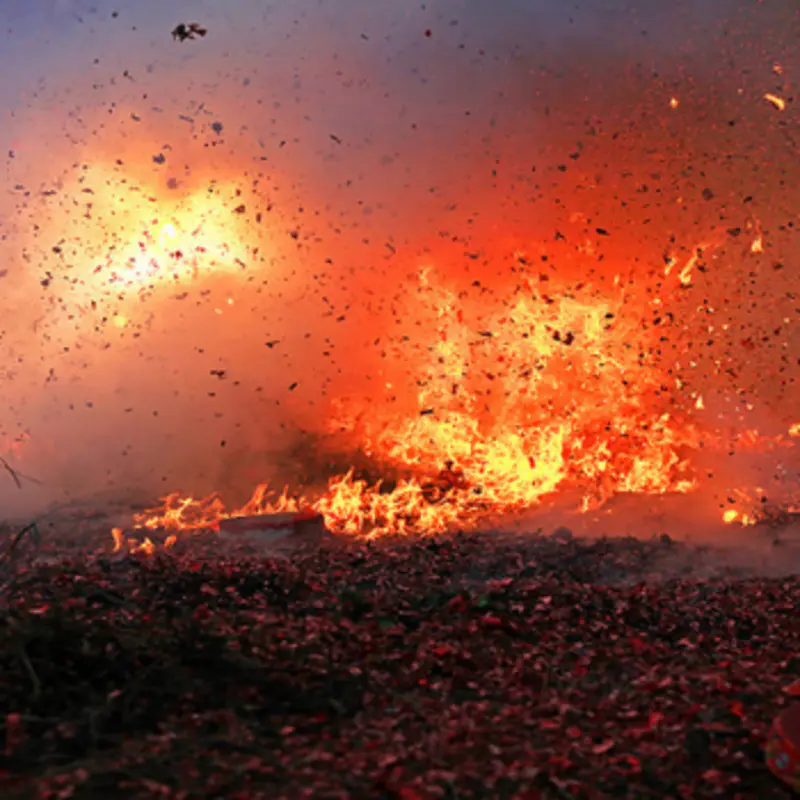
[[310, 320]]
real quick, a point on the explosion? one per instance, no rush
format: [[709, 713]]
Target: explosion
[[465, 305], [552, 389], [490, 401], [495, 403], [127, 240]]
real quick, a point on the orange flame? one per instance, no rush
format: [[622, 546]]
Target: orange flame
[[540, 395], [742, 518], [752, 508], [179, 513]]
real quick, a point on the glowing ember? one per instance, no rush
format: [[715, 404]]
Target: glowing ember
[[730, 516], [765, 515], [776, 101], [146, 546], [751, 507]]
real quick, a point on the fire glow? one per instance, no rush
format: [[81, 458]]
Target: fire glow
[[492, 401], [132, 240], [484, 303], [554, 388]]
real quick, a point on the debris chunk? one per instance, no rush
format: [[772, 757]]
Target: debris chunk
[[191, 30]]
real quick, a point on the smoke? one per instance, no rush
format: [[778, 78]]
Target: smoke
[[320, 153]]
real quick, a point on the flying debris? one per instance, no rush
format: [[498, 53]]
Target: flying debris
[[183, 32], [776, 101]]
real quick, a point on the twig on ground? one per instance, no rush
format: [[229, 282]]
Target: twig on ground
[[32, 529], [37, 684]]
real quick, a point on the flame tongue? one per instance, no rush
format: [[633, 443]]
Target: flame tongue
[[543, 395], [501, 410]]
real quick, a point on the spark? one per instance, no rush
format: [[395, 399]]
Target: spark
[[776, 101]]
